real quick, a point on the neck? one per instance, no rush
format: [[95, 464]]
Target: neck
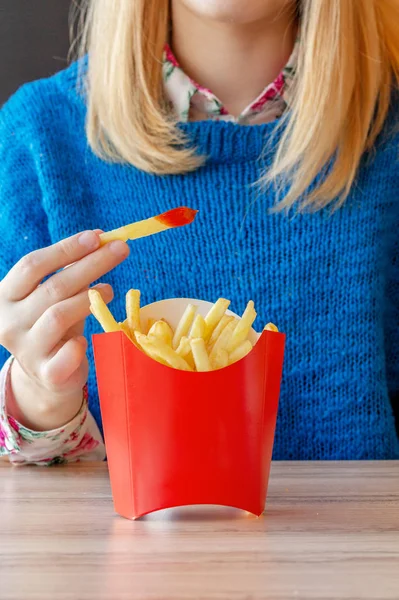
[[235, 61]]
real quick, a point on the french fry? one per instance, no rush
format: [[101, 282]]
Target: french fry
[[223, 340], [150, 323], [243, 327], [162, 331], [133, 310], [149, 353], [271, 327], [198, 328], [220, 359], [214, 315], [184, 348], [190, 360], [161, 352], [125, 328], [218, 330], [241, 351], [177, 217], [184, 325], [201, 358], [101, 312]]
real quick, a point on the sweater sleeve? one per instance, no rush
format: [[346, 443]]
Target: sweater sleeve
[[23, 222], [23, 228]]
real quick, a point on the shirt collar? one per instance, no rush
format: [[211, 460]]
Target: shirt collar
[[188, 98]]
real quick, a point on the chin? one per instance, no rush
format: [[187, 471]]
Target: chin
[[237, 11]]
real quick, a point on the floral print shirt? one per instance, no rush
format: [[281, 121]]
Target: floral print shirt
[[81, 439], [191, 101]]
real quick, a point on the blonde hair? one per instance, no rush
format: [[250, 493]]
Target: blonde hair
[[347, 68]]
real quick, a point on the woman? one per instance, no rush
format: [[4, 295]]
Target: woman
[[302, 118]]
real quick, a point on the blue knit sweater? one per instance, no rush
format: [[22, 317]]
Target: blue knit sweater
[[330, 281]]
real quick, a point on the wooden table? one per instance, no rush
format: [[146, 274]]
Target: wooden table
[[330, 531]]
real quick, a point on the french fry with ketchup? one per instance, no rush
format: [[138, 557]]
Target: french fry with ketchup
[[197, 343], [177, 217]]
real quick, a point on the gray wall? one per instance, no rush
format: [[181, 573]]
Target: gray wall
[[33, 41]]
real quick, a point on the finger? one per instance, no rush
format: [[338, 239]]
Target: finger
[[26, 275], [99, 232], [65, 362], [76, 330], [55, 323], [71, 281]]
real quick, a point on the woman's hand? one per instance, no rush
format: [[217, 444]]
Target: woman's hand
[[42, 325]]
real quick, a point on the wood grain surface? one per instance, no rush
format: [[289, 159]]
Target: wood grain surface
[[330, 532]]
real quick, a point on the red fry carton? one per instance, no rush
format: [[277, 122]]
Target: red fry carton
[[177, 438]]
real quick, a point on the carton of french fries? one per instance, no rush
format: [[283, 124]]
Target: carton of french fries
[[189, 395]]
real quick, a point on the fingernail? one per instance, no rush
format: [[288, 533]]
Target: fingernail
[[118, 248], [89, 240]]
